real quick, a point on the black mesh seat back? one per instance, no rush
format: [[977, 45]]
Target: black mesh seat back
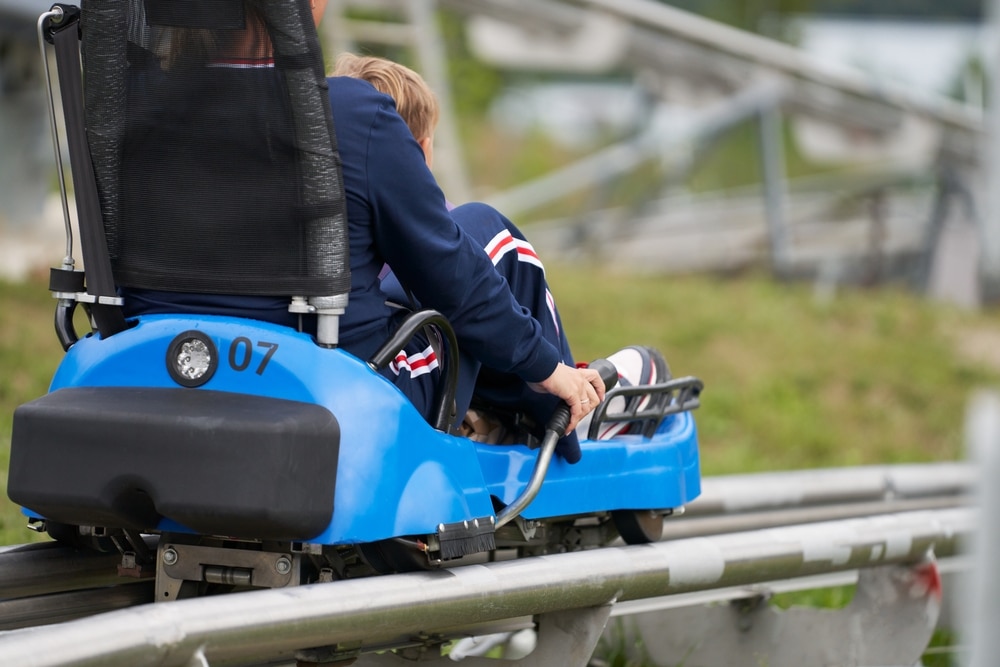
[[213, 146]]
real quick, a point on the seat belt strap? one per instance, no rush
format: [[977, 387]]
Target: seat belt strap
[[108, 318]]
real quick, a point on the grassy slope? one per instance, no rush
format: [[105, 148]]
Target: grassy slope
[[29, 353], [870, 377]]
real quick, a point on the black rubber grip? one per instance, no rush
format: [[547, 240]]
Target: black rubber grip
[[560, 417], [607, 370]]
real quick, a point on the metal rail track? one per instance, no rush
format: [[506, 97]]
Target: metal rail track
[[421, 610], [49, 583]]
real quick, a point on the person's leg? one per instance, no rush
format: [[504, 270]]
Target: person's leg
[[516, 260], [513, 257], [417, 372]]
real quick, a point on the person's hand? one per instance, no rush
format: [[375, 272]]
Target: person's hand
[[581, 388]]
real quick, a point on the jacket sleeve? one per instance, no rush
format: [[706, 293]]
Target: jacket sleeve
[[435, 259]]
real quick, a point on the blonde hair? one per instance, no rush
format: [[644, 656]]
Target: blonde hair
[[415, 101]]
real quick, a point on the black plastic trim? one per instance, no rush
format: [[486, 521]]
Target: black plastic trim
[[678, 395], [218, 463]]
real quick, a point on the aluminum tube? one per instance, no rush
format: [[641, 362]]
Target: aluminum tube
[[947, 566], [548, 16], [381, 610], [755, 492], [989, 194], [449, 166], [683, 527]]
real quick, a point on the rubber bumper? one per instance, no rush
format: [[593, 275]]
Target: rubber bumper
[[217, 463]]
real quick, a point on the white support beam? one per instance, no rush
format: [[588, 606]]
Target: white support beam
[[889, 621]]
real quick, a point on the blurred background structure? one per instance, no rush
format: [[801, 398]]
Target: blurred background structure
[[835, 141]]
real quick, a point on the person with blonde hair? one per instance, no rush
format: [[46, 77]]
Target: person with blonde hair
[[415, 101], [512, 255]]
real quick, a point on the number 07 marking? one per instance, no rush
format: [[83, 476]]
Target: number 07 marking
[[241, 354]]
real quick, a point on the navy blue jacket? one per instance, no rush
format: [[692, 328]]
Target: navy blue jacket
[[397, 215]]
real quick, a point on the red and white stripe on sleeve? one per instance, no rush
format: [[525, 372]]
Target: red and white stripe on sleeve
[[415, 364]]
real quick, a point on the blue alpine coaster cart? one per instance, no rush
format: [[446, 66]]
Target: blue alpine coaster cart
[[218, 452]]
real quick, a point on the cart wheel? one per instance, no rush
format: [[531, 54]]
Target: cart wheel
[[638, 526]]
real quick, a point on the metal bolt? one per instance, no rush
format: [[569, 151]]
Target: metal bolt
[[169, 556], [283, 565]]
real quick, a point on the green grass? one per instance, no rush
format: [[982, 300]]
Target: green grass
[[29, 354], [870, 377]]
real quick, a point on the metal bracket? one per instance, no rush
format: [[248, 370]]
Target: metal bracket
[[177, 563]]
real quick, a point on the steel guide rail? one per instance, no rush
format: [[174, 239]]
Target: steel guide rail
[[392, 610], [731, 494], [49, 583], [730, 503]]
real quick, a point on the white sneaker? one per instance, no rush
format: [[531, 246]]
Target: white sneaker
[[638, 365]]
